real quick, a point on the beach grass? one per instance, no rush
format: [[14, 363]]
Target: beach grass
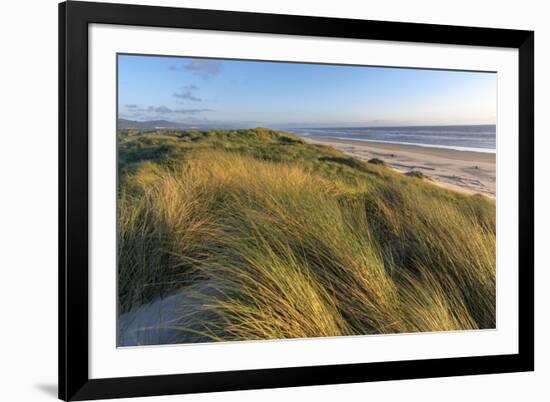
[[297, 240]]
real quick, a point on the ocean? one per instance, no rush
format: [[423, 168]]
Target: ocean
[[478, 138]]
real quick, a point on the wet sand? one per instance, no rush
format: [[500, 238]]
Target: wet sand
[[465, 171]]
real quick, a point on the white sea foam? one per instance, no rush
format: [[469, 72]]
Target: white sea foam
[[416, 144], [473, 138]]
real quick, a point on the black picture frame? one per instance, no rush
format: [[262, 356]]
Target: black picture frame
[[74, 381]]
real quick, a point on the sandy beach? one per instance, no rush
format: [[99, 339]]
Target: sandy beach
[[465, 171]]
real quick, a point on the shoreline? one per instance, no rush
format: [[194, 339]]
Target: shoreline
[[444, 147], [469, 172]]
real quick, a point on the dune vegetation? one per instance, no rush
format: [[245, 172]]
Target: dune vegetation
[[297, 240]]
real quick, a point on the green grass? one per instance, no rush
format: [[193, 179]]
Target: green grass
[[298, 240]]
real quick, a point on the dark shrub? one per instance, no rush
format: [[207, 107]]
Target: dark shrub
[[376, 161], [416, 173]]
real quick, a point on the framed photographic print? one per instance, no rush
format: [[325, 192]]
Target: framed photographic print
[[257, 200]]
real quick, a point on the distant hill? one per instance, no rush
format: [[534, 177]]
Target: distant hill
[[152, 124], [171, 125]]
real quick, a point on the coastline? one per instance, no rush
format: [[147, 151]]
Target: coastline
[[469, 172]]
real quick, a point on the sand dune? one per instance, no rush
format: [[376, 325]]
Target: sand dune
[[465, 171]]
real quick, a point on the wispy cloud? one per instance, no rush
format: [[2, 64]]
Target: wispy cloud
[[187, 93], [202, 67]]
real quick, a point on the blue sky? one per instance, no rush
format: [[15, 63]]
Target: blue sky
[[275, 94]]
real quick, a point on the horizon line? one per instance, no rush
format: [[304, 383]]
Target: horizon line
[[298, 126]]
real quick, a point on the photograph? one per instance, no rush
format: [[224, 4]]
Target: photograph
[[270, 200]]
